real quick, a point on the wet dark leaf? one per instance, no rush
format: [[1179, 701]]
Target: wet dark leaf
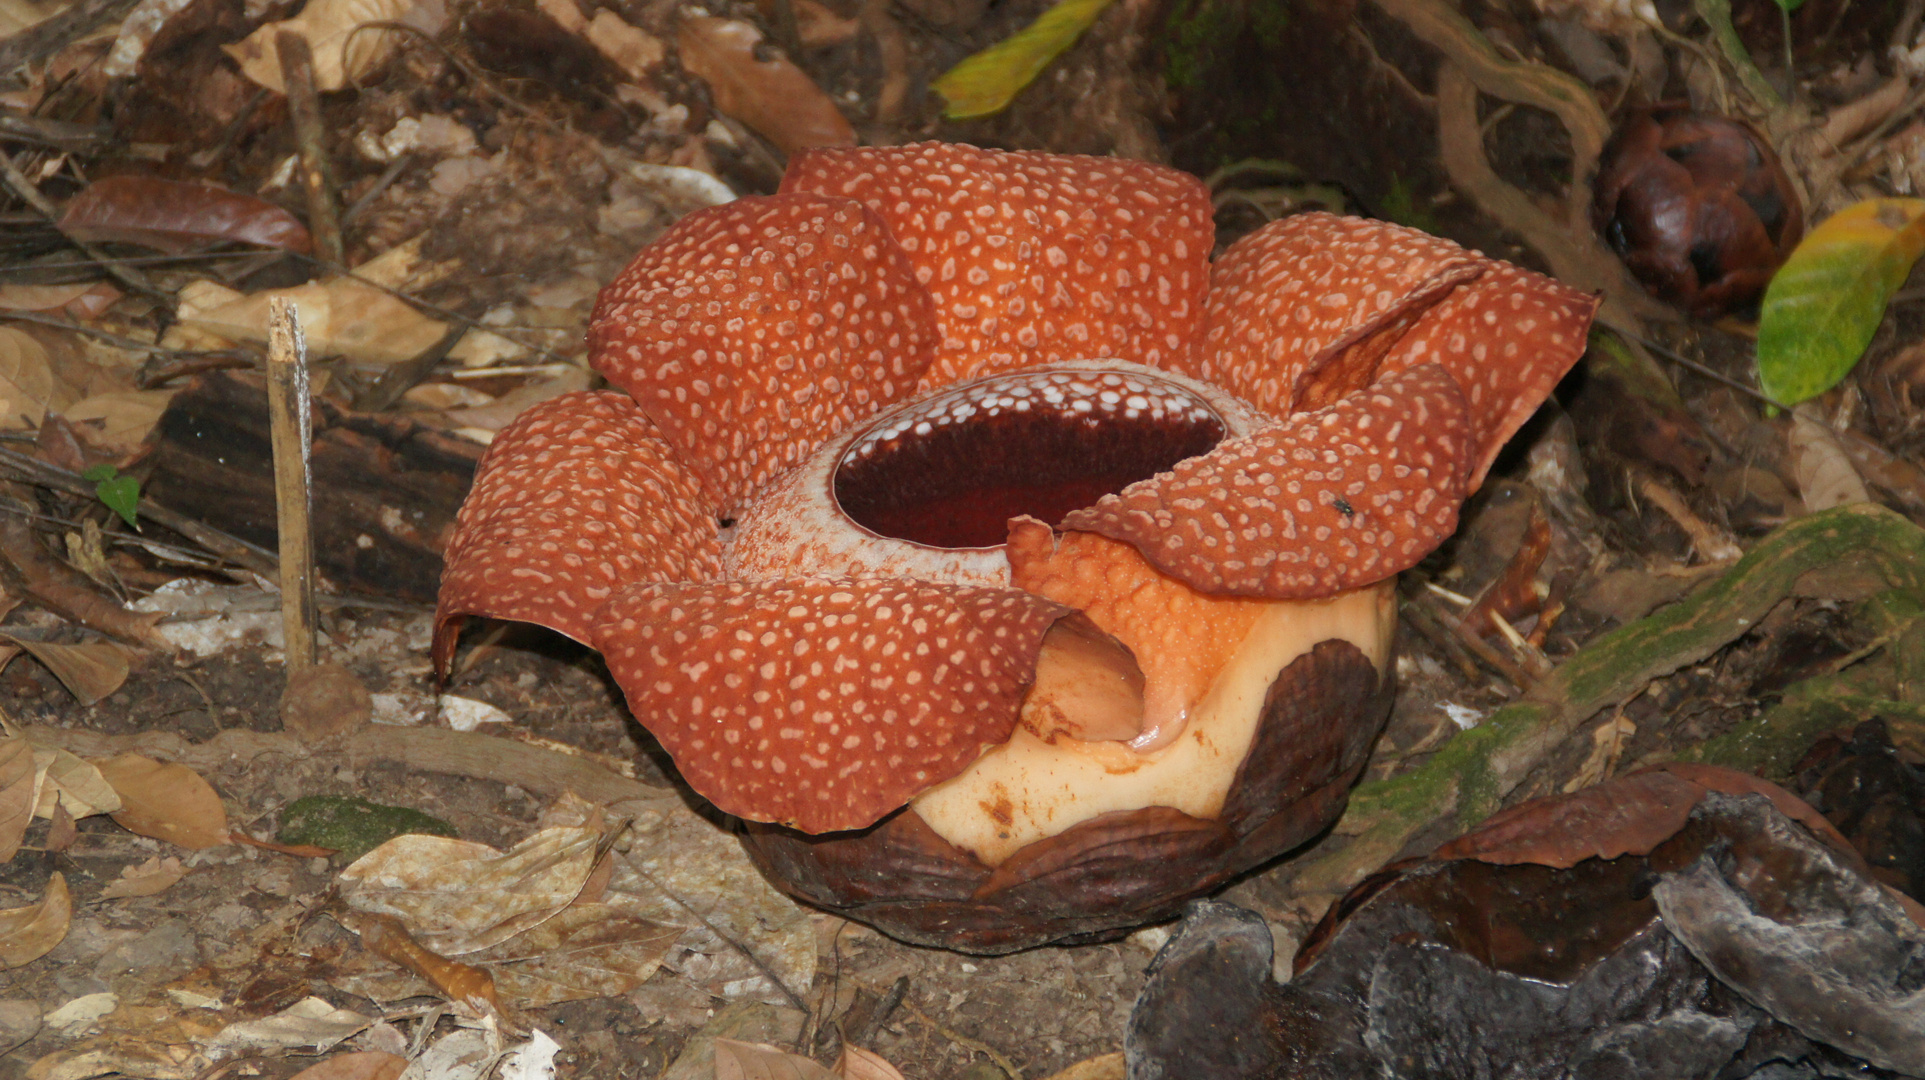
[[178, 217]]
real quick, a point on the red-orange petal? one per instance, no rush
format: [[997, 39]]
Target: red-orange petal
[[1329, 500], [1035, 258], [1507, 338], [822, 704], [1297, 295], [752, 331], [574, 500]]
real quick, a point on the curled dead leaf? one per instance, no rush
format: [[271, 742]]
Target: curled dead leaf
[[89, 671], [70, 785], [468, 987], [29, 933], [16, 794]]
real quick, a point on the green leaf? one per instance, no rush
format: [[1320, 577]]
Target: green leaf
[[1791, 5], [120, 493], [986, 82], [1825, 303]]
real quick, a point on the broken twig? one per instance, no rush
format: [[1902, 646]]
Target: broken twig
[[291, 416]]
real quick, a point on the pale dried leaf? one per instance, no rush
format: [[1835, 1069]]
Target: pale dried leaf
[[859, 1064], [1608, 741], [119, 421], [636, 52], [72, 784], [340, 54], [773, 96], [17, 296], [26, 380], [587, 951], [682, 869], [760, 1061], [89, 672], [150, 878], [340, 317], [16, 794], [1824, 472], [309, 1022], [458, 897], [29, 933], [165, 801], [367, 1065]]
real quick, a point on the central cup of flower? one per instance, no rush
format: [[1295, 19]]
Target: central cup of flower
[[950, 472]]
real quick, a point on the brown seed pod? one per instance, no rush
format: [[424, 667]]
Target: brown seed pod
[[1698, 207]]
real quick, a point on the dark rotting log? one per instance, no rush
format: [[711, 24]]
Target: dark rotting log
[[386, 487]]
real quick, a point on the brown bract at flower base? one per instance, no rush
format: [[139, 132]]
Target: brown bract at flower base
[[1055, 580]]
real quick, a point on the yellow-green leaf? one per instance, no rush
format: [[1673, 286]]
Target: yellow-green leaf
[[986, 82], [1826, 301]]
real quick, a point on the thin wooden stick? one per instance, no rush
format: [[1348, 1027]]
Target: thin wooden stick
[[304, 111], [290, 415]]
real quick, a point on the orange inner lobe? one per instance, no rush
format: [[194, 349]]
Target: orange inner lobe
[[1182, 638]]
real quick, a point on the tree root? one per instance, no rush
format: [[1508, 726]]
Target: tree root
[[1474, 773]]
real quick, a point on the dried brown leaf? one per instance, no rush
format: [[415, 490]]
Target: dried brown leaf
[[89, 672], [166, 801], [26, 380], [118, 421], [760, 1061], [178, 217], [773, 96], [16, 794], [1102, 1067], [150, 878], [859, 1064], [366, 1065], [29, 933]]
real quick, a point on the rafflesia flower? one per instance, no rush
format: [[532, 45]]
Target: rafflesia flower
[[1012, 570]]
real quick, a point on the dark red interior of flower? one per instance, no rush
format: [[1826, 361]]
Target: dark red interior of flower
[[955, 481]]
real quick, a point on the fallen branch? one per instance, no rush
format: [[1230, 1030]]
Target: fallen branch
[[435, 750]]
